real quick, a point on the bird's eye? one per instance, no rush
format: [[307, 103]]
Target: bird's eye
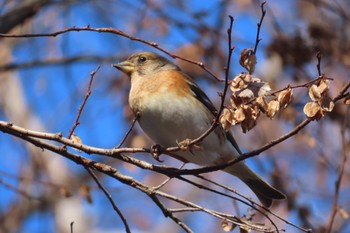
[[142, 59]]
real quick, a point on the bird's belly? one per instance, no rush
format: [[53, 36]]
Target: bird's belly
[[172, 120]]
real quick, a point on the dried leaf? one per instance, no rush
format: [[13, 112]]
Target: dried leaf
[[263, 87], [244, 229], [327, 104], [77, 140], [285, 97], [323, 86], [272, 108], [240, 81], [313, 111], [245, 94], [227, 226], [247, 59], [259, 87], [184, 145], [247, 87], [314, 93], [236, 101], [251, 114], [256, 112], [254, 89], [262, 103], [317, 91], [226, 119], [238, 116], [347, 100], [246, 126]]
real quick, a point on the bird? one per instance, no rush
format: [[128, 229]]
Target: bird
[[172, 108]]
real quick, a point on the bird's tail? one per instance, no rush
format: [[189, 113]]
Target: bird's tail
[[264, 191]]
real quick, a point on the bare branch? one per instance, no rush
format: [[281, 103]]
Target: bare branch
[[109, 196], [258, 39], [112, 172], [71, 227], [17, 190], [129, 131], [342, 164], [55, 61], [116, 32], [319, 58], [88, 93]]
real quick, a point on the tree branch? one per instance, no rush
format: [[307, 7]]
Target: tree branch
[[116, 32], [258, 39], [341, 169], [109, 196], [81, 107]]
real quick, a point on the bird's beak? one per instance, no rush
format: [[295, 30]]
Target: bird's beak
[[125, 66]]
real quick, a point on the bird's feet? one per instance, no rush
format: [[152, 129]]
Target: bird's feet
[[156, 151]]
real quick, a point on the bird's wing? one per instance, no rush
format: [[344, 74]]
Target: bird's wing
[[204, 99]]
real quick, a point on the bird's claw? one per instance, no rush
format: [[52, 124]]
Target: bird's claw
[[156, 152]]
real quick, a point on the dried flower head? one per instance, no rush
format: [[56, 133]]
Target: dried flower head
[[313, 110], [272, 108], [247, 60], [285, 97], [321, 102]]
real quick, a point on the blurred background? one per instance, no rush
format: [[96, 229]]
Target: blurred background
[[43, 81]]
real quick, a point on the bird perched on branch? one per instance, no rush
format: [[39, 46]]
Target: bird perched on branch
[[172, 109]]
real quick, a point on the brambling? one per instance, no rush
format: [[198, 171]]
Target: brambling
[[172, 108]]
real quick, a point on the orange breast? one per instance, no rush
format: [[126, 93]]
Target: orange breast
[[159, 85]]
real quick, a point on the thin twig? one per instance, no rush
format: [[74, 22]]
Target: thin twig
[[24, 178], [307, 84], [342, 164], [258, 39], [168, 213], [188, 209], [112, 172], [129, 131], [255, 203], [116, 32], [109, 196], [167, 180], [227, 68], [229, 196], [318, 65], [244, 155], [71, 227], [222, 216], [17, 190], [56, 61], [343, 93], [81, 107]]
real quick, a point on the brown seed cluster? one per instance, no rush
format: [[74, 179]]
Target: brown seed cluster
[[249, 99], [321, 102]]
